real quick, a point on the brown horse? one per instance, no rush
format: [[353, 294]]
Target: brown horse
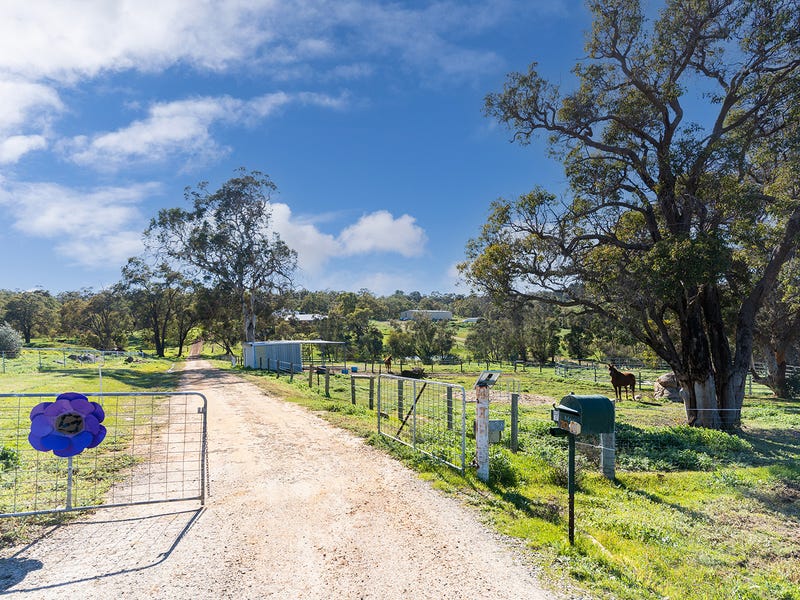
[[388, 362], [622, 380]]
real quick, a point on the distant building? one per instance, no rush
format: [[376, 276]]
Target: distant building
[[289, 315], [433, 315], [472, 320]]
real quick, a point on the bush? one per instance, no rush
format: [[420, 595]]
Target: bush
[[10, 341], [9, 459], [501, 470]]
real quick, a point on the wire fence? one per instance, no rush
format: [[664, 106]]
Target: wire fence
[[50, 359], [154, 451], [428, 416]]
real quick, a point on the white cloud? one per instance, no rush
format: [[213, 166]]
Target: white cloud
[[314, 248], [381, 232], [183, 127], [69, 40], [89, 227], [15, 146], [378, 232]]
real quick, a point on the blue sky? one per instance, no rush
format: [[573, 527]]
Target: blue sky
[[367, 115]]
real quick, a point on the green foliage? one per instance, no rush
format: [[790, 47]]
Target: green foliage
[[10, 341], [9, 459], [502, 470], [678, 448]]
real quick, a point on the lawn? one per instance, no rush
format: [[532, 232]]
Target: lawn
[[692, 513]]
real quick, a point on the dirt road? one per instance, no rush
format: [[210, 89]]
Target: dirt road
[[298, 509]]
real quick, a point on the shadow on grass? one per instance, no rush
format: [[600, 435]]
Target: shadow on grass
[[132, 378], [547, 511], [656, 499], [771, 445]]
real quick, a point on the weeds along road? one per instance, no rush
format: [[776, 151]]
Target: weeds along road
[[298, 509]]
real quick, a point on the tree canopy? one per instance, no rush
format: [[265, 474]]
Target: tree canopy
[[679, 144], [228, 239]]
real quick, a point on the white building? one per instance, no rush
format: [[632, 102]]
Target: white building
[[433, 315]]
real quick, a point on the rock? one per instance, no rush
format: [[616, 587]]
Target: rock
[[666, 386]]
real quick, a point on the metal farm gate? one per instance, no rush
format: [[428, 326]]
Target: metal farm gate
[[428, 416], [155, 450]]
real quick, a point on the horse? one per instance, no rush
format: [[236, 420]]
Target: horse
[[388, 362], [622, 380]]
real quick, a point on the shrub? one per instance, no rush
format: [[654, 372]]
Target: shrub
[[501, 470], [9, 459], [10, 341]]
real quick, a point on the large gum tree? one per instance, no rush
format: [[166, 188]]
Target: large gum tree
[[227, 240], [681, 213]]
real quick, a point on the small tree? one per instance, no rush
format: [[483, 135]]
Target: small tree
[[10, 341]]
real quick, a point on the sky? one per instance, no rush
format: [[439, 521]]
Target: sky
[[367, 115]]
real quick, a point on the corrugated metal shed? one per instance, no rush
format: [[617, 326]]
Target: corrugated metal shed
[[278, 355]]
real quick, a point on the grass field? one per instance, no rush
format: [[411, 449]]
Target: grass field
[[37, 371], [692, 513]]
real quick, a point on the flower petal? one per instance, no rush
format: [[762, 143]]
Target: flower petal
[[36, 442], [101, 435], [99, 413], [82, 405], [58, 407], [41, 426], [39, 409], [54, 442], [81, 441], [91, 424]]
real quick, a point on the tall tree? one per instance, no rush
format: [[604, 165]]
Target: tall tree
[[661, 205], [106, 319], [154, 293], [31, 312], [228, 238]]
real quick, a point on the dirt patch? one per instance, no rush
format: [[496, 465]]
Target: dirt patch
[[298, 509]]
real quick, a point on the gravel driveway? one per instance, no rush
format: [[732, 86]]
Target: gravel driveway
[[298, 509]]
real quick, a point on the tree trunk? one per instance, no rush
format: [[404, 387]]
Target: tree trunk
[[249, 317]]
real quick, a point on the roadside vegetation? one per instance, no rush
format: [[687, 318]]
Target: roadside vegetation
[[693, 513]]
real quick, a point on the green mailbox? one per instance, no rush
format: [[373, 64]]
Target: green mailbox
[[594, 413]]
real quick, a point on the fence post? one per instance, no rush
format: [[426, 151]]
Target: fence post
[[291, 371], [372, 393], [482, 431], [311, 375], [327, 383], [514, 422], [400, 399], [449, 409], [353, 389], [608, 451]]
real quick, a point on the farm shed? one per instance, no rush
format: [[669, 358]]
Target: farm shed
[[278, 355], [273, 356], [433, 315]]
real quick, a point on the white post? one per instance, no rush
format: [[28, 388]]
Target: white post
[[482, 431]]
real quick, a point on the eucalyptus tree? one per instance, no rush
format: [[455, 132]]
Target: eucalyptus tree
[[668, 142], [154, 292], [228, 242], [32, 312]]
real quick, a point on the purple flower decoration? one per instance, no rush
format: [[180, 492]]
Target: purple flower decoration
[[67, 426]]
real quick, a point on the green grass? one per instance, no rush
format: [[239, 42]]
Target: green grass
[[693, 514], [32, 373]]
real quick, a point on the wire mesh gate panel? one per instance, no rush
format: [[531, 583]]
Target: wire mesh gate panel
[[155, 450], [428, 416]]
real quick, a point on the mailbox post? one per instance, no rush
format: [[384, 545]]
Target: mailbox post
[[577, 415], [482, 385]]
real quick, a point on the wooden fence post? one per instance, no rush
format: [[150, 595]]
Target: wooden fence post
[[372, 393]]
